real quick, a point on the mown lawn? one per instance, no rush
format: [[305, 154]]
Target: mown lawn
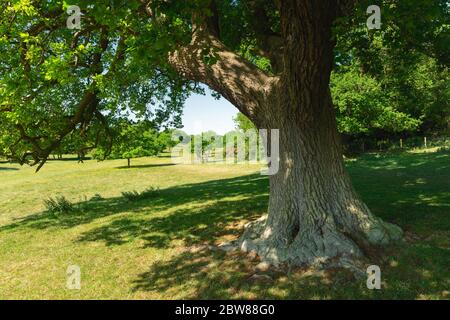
[[157, 247]]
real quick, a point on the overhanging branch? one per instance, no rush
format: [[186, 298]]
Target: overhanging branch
[[206, 59]]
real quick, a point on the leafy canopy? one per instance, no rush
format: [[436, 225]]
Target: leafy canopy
[[55, 81], [134, 140]]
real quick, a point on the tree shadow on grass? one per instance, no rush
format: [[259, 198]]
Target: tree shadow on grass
[[411, 271], [247, 198], [8, 169], [206, 211], [194, 225], [206, 274], [407, 189], [140, 166], [70, 159], [409, 162]]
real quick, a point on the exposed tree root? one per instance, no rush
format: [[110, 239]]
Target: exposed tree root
[[321, 250]]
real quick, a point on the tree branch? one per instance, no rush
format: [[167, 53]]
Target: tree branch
[[345, 7], [270, 43], [83, 115], [206, 59]]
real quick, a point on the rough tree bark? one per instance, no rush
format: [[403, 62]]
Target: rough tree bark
[[314, 214]]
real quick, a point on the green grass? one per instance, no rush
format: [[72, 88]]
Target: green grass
[[155, 246]]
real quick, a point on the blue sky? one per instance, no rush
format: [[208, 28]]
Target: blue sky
[[203, 113]]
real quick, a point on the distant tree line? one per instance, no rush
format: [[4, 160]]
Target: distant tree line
[[126, 139]]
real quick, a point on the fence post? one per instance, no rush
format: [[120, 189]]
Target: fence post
[[425, 142], [401, 143]]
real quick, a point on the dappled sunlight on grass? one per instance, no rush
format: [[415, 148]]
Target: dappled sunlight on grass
[[162, 245]]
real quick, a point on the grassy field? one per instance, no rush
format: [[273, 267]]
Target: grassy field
[[157, 247]]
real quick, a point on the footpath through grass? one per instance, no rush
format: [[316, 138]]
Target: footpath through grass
[[156, 246]]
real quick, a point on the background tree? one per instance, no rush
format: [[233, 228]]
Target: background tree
[[135, 140], [364, 108], [408, 60], [166, 140], [203, 145], [270, 59], [246, 129], [243, 123], [412, 101]]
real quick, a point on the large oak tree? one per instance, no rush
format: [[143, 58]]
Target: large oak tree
[[271, 59]]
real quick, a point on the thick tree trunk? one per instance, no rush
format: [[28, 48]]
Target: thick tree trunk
[[314, 214]]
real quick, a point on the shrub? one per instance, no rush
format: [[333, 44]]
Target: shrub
[[135, 195], [150, 192], [96, 197], [131, 195], [58, 205]]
